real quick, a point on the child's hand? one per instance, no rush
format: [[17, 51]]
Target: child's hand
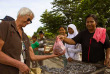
[[61, 37], [51, 49], [70, 59], [36, 49]]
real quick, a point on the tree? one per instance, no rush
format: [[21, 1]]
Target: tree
[[74, 11], [52, 21], [99, 7], [46, 33], [66, 7]]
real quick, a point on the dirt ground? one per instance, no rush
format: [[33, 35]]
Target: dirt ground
[[54, 62]]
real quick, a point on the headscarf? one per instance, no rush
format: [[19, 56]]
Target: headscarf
[[75, 31]]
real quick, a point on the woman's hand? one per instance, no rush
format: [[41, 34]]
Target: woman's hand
[[107, 62], [57, 54], [23, 68]]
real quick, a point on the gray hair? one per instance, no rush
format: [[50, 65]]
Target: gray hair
[[25, 11]]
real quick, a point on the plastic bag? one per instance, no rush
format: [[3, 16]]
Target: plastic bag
[[58, 47]]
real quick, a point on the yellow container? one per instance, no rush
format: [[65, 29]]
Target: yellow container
[[35, 71]]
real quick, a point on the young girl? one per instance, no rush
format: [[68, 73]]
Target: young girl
[[62, 31], [72, 51], [34, 44]]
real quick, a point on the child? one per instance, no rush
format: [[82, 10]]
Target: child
[[35, 46], [62, 31]]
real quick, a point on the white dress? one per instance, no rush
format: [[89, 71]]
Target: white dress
[[73, 51]]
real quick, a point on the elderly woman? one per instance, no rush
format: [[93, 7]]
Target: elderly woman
[[92, 50]]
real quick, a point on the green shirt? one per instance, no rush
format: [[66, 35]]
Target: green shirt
[[35, 45]]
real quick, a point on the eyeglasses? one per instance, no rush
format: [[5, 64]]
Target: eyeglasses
[[29, 20]]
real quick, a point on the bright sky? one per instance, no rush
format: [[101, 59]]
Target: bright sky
[[11, 7]]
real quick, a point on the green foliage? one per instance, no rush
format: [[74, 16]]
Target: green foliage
[[108, 31], [99, 7], [52, 21], [67, 7], [46, 33], [49, 35], [74, 11]]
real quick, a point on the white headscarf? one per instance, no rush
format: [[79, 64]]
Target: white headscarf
[[75, 31]]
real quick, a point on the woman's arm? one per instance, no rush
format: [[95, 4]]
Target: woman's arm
[[66, 40], [107, 59], [7, 60], [40, 57]]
